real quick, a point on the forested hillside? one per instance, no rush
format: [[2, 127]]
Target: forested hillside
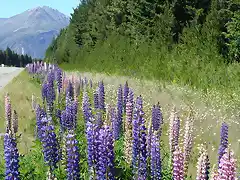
[[187, 42], [10, 58]]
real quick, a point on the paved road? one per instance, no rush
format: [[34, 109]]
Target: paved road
[[7, 74]]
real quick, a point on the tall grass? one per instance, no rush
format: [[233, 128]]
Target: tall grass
[[194, 63]]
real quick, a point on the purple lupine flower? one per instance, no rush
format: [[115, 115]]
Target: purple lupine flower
[[44, 91], [99, 119], [73, 158], [156, 167], [101, 160], [11, 156], [63, 121], [139, 158], [105, 154], [110, 153], [50, 77], [50, 144], [69, 116], [69, 124], [125, 95], [178, 167], [40, 113], [101, 96], [96, 101], [59, 79], [142, 170], [223, 140], [86, 107], [75, 112], [136, 133], [50, 98], [157, 119], [91, 145]]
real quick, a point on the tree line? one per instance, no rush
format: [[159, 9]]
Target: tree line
[[167, 22], [10, 58]]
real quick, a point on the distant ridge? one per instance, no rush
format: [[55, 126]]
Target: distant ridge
[[32, 31]]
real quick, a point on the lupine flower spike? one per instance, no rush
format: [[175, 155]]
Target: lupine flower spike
[[128, 128], [11, 154], [174, 130], [8, 113], [227, 166], [178, 169], [73, 158], [203, 165], [188, 141], [139, 141], [156, 163], [223, 141]]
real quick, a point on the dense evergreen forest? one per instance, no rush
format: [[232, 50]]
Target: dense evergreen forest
[[10, 58], [153, 38]]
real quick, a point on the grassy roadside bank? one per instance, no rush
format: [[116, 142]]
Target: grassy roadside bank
[[20, 90]]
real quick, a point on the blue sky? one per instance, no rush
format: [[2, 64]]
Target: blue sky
[[10, 8]]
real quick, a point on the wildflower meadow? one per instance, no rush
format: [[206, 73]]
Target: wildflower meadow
[[81, 136]]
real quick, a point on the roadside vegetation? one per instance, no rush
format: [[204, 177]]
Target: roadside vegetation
[[21, 89], [184, 42]]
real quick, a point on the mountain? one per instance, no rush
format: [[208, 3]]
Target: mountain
[[32, 31]]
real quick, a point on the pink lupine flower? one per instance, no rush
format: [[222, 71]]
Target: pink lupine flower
[[227, 166], [174, 130], [188, 142], [178, 168], [128, 128], [65, 82], [8, 112], [203, 165]]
